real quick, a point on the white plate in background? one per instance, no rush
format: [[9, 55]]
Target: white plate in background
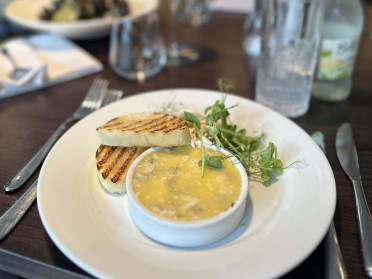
[[26, 13]]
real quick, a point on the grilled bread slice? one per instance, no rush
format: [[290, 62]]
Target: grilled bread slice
[[113, 164], [145, 129]]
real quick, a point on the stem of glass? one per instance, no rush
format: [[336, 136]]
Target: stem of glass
[[173, 46]]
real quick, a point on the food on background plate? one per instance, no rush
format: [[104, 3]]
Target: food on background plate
[[146, 130], [168, 183], [112, 164], [72, 10]]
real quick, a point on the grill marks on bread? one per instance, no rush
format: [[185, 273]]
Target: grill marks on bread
[[137, 125], [124, 138], [146, 130], [104, 152], [156, 122], [113, 162]]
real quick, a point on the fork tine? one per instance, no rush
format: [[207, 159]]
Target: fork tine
[[97, 97], [112, 96], [94, 98], [91, 92], [101, 95], [108, 98], [116, 94], [119, 94]]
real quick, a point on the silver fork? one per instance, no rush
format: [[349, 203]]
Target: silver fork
[[92, 101], [112, 96], [12, 216]]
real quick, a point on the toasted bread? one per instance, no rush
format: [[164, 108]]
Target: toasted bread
[[113, 164], [146, 130]]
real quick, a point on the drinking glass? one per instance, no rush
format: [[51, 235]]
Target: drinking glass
[[252, 38], [179, 54], [290, 39], [136, 47], [196, 12]]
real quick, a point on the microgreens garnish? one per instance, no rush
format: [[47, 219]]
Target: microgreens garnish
[[259, 160], [212, 161]]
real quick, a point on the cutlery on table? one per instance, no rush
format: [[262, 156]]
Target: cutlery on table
[[18, 72], [12, 216], [92, 101], [335, 267], [347, 155]]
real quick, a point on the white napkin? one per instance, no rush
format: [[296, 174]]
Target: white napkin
[[233, 6], [51, 60]]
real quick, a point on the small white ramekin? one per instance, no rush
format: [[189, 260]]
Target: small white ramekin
[[190, 234]]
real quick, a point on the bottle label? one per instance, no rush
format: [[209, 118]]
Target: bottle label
[[337, 58]]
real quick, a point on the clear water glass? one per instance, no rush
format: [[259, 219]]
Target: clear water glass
[[290, 40], [137, 51], [179, 54], [196, 12], [252, 38]]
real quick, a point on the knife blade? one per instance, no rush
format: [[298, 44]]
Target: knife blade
[[347, 155], [335, 267], [346, 151]]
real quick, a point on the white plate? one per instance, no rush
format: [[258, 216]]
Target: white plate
[[80, 29], [283, 223]]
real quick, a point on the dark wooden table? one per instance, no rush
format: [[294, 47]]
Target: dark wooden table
[[27, 121]]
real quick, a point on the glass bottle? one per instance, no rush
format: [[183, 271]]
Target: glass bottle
[[342, 27]]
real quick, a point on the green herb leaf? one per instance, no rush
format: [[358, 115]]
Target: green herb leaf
[[278, 167], [265, 176], [202, 164], [267, 155], [225, 85], [191, 119], [212, 161], [212, 131]]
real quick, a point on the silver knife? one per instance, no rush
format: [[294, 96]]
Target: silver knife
[[335, 267], [11, 217], [347, 155]]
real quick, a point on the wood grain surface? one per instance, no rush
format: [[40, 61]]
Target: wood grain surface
[[28, 120]]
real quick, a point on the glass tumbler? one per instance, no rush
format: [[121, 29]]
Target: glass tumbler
[[196, 12], [290, 40], [137, 51]]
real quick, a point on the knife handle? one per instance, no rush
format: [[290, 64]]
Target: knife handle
[[11, 217], [25, 173], [334, 261], [365, 225]]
